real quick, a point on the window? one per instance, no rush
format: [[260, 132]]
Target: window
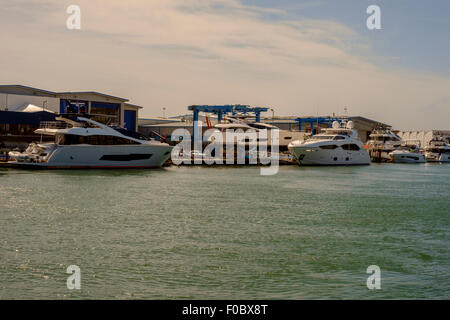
[[70, 139], [330, 146], [339, 138], [320, 137], [350, 147]]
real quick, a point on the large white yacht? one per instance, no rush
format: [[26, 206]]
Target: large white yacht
[[382, 142], [88, 144], [437, 151], [333, 146]]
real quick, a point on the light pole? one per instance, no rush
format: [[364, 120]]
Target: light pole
[[43, 105], [164, 112], [273, 115]]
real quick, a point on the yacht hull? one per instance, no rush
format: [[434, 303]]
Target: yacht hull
[[103, 157], [317, 157], [407, 157]]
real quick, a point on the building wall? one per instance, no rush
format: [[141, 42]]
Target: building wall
[[15, 102], [423, 137], [98, 102]]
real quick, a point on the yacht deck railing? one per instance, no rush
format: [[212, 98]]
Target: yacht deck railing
[[54, 125]]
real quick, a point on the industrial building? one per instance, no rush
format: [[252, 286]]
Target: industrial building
[[100, 106], [423, 137]]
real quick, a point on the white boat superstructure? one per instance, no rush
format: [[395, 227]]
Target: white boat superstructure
[[382, 141], [89, 144], [437, 151], [333, 146], [255, 133], [284, 136]]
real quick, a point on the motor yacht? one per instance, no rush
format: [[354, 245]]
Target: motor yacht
[[85, 143], [407, 153], [333, 146], [437, 151], [382, 141]]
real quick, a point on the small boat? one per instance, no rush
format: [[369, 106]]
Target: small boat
[[89, 144], [407, 154], [333, 146]]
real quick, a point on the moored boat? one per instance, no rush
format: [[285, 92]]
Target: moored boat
[[437, 151], [333, 146], [89, 144]]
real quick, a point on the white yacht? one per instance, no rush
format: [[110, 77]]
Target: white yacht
[[382, 141], [333, 146], [284, 136], [88, 144], [407, 154], [437, 151]]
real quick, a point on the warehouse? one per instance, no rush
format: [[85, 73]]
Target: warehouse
[[424, 137], [100, 106]]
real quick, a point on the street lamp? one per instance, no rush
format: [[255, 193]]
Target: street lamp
[[164, 112]]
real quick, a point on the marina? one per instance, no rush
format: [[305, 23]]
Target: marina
[[224, 159], [107, 133], [316, 227]]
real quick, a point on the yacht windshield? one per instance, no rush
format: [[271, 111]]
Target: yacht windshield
[[131, 134]]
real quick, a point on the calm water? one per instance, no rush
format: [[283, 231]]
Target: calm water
[[226, 233]]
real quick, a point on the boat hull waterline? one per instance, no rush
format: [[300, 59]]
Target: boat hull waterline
[[103, 157]]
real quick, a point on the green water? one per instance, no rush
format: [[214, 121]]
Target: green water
[[226, 233]]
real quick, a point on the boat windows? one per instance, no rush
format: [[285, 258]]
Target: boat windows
[[126, 157], [350, 147], [131, 134], [330, 146], [339, 138], [321, 137], [71, 139]]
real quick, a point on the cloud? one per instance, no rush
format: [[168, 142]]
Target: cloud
[[175, 53]]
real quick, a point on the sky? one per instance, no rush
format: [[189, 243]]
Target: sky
[[302, 58]]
